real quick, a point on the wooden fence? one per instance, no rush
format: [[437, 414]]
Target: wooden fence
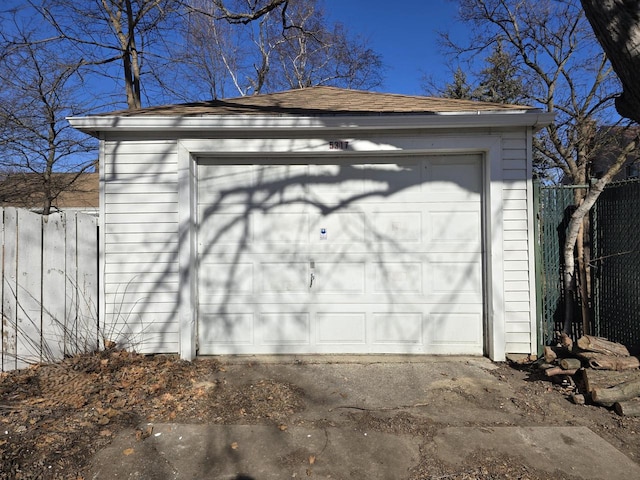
[[49, 286]]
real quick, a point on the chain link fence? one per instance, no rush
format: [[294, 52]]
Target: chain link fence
[[554, 208], [615, 264]]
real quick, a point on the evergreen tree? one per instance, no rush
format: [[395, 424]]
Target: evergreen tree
[[499, 80], [459, 88]]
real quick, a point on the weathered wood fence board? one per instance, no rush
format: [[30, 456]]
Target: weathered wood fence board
[[85, 250], [28, 287], [54, 272], [49, 286], [9, 272]]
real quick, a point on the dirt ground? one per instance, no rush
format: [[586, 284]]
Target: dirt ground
[[53, 418]]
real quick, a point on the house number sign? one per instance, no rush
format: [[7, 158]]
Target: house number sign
[[339, 145]]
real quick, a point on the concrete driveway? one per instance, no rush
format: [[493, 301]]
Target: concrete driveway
[[376, 417]]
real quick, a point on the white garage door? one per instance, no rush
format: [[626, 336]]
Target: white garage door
[[370, 257]]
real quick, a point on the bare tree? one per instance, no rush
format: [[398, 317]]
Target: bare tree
[[219, 55], [563, 68], [265, 46], [317, 53], [36, 141], [147, 48], [107, 32], [565, 72]]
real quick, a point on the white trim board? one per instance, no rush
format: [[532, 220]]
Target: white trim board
[[490, 146]]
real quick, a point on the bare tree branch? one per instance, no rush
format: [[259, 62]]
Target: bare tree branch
[[252, 14]]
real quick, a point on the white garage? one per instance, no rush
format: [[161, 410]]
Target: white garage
[[318, 221]]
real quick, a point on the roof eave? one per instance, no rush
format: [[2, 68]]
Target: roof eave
[[93, 125]]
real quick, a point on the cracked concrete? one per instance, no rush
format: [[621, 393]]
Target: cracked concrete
[[358, 422]]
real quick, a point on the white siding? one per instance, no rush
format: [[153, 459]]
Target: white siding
[[140, 244], [518, 282]]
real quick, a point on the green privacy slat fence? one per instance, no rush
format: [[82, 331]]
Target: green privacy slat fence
[[555, 205], [615, 234], [616, 262]]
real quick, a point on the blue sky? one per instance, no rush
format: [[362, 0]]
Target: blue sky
[[406, 36]]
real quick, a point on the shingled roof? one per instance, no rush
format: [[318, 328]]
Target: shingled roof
[[315, 101]]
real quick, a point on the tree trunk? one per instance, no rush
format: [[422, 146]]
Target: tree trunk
[[630, 408], [550, 372], [577, 219], [615, 23], [570, 364], [602, 345], [583, 269], [549, 354], [619, 393], [594, 379], [599, 361], [132, 67]]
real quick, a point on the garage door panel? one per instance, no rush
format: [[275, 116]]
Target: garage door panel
[[250, 184], [373, 258], [398, 175], [218, 278], [302, 300], [457, 179], [455, 329], [342, 328], [366, 226], [364, 330], [397, 328], [367, 183], [396, 227], [455, 277], [447, 226], [343, 277], [280, 183], [335, 183], [338, 227], [398, 277], [282, 226], [220, 329], [223, 228], [284, 277], [455, 229], [224, 184], [285, 328], [396, 182]]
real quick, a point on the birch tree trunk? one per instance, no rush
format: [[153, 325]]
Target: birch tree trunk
[[577, 219]]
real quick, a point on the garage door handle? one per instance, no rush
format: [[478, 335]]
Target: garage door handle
[[313, 277]]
